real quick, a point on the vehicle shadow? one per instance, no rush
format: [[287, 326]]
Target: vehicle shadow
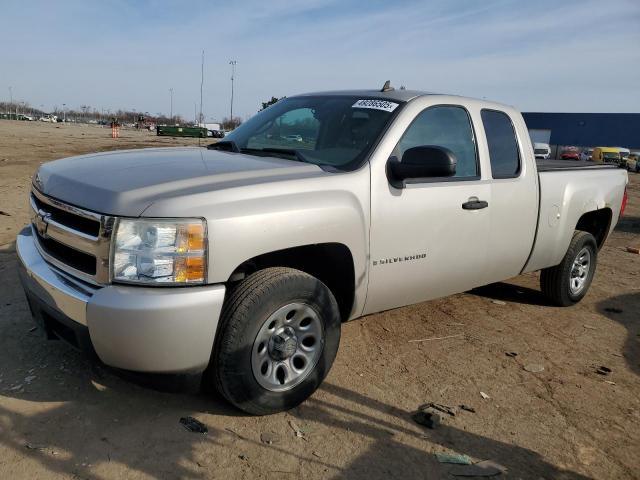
[[628, 224], [8, 248], [389, 457], [77, 417], [508, 292], [88, 440], [625, 309]]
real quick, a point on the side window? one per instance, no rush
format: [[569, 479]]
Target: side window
[[503, 146], [444, 126]]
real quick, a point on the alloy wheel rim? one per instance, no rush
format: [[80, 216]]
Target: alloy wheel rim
[[580, 271]]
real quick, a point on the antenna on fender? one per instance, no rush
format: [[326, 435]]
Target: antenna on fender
[[387, 87]]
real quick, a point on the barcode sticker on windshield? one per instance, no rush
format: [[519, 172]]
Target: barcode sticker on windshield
[[376, 105]]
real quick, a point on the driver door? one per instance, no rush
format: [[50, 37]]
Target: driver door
[[424, 242]]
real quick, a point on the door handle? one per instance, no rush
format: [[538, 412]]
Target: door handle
[[474, 204]]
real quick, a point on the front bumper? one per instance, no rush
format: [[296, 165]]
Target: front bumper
[[162, 330]]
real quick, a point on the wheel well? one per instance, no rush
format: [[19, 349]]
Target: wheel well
[[331, 263], [597, 223]]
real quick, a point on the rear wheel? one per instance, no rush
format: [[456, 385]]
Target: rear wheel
[[278, 337], [568, 283]]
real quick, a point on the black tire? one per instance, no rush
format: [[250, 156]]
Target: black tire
[[246, 310], [555, 281]]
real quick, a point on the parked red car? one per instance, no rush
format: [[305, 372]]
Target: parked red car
[[570, 155]]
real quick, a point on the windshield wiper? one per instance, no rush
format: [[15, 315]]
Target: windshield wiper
[[286, 151], [226, 145]]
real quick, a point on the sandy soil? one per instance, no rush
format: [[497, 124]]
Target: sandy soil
[[63, 416]]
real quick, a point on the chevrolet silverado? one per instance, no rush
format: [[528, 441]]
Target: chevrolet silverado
[[240, 261]]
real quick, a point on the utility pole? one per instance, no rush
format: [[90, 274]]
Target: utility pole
[[64, 109], [233, 64], [200, 119], [11, 102], [171, 115]]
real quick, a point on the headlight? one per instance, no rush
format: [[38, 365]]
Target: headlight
[[161, 251]]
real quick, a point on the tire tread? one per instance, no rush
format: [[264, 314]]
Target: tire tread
[[552, 280], [242, 298]]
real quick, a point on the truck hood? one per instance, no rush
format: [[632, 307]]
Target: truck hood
[[127, 182]]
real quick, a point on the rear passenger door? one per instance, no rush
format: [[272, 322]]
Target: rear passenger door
[[514, 195]]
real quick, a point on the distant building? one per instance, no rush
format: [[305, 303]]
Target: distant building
[[585, 129]]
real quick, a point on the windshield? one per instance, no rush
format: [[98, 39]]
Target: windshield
[[540, 150], [611, 155], [337, 131]]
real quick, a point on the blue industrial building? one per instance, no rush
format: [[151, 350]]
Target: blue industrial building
[[585, 129]]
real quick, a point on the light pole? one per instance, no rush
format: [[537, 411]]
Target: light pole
[[233, 64], [11, 102], [64, 109], [171, 114]]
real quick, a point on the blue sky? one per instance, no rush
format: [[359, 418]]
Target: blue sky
[[562, 55]]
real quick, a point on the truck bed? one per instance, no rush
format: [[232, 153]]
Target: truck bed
[[568, 189], [563, 165]]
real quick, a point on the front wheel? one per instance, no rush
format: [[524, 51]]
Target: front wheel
[[568, 283], [278, 337]]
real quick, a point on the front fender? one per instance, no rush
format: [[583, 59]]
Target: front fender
[[253, 220]]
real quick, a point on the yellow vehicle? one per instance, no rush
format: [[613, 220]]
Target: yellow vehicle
[[606, 155]]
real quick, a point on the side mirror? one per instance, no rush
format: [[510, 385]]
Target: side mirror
[[426, 161]]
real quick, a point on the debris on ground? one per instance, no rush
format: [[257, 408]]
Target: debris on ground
[[5, 213], [437, 338], [602, 370], [511, 354], [269, 438], [534, 368], [498, 302], [30, 379], [633, 250], [316, 454], [193, 425], [427, 417], [484, 395], [486, 468], [231, 430], [243, 457], [439, 407], [613, 310], [457, 458], [590, 327], [609, 382], [296, 430], [467, 408], [32, 446]]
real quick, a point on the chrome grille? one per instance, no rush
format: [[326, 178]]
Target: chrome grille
[[75, 240]]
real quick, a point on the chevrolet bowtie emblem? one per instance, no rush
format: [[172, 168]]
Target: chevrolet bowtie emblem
[[42, 222]]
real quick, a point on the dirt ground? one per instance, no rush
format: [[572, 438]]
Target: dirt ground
[[63, 416]]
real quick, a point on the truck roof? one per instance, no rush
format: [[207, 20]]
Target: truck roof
[[397, 95]]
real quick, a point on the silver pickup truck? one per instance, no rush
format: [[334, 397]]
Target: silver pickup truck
[[240, 261]]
